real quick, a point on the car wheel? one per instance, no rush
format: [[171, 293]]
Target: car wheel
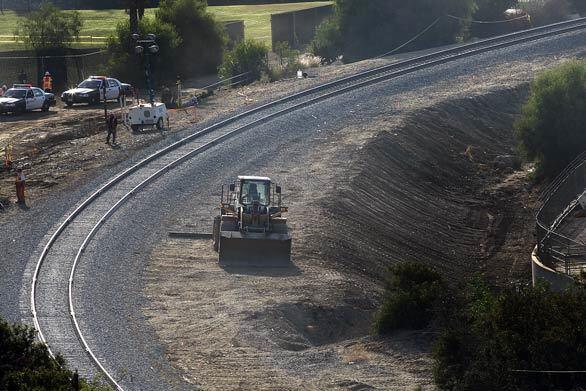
[[135, 128], [45, 107], [68, 104], [160, 124]]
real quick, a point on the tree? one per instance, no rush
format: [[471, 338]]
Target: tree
[[135, 9], [551, 129], [128, 66], [361, 29], [202, 38], [49, 28]]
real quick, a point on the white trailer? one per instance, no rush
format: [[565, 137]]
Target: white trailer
[[146, 115]]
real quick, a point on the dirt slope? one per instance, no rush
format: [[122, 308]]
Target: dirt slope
[[431, 191]]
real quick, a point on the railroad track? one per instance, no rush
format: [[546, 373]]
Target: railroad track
[[52, 296]]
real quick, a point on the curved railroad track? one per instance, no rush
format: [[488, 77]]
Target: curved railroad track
[[52, 298]]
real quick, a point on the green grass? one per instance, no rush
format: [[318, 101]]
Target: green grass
[[257, 22]]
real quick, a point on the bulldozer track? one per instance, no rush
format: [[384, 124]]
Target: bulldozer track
[[52, 296]]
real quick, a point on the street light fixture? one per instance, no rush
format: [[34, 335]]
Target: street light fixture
[[147, 47]]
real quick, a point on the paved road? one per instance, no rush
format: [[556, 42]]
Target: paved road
[[110, 275]]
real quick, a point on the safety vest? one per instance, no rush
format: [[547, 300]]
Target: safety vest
[[47, 83]]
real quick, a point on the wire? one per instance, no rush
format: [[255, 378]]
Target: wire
[[64, 56], [453, 17], [487, 22], [411, 40]]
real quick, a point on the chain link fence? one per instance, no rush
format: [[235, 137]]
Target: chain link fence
[[560, 199]]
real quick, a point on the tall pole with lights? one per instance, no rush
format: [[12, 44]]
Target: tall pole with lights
[[147, 47]]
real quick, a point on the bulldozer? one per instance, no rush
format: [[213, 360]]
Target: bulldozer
[[251, 229]]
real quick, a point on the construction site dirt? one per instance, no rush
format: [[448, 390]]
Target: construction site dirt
[[441, 185], [444, 169]]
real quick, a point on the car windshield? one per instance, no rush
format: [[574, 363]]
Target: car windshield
[[251, 190], [18, 94], [90, 84]]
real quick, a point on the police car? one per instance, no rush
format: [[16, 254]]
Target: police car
[[24, 97], [92, 91]]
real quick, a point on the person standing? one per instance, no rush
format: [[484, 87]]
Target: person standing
[[20, 182], [48, 82], [112, 127]]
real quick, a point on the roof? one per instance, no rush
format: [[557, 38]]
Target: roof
[[254, 178]]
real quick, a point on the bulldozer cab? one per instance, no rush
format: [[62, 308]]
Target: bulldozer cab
[[255, 190]]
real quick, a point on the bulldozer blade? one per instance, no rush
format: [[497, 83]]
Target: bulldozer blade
[[254, 249]]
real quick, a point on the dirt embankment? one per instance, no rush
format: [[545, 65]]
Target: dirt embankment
[[439, 187]]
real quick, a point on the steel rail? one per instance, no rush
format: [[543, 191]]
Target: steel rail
[[499, 43]]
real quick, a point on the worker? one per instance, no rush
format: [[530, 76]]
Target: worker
[[112, 125], [48, 82], [20, 182], [166, 96], [3, 89]]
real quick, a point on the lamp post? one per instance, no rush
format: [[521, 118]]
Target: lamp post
[[147, 47]]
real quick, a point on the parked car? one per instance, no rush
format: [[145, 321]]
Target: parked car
[[91, 91], [24, 97]]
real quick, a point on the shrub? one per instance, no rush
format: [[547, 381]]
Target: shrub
[[128, 66], [26, 364], [551, 129], [515, 329], [327, 43], [411, 292], [202, 38], [247, 56], [546, 11]]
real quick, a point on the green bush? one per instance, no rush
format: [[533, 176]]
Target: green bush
[[551, 130], [247, 56], [202, 38], [327, 41], [411, 292], [128, 66], [26, 364], [492, 334], [288, 61], [361, 29]]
